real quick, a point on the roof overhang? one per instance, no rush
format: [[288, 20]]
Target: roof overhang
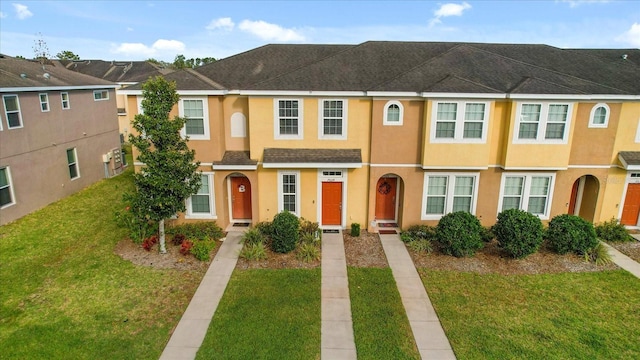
[[630, 160], [312, 159], [572, 97], [56, 88]]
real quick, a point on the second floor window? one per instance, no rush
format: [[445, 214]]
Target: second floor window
[[195, 111], [542, 122], [44, 102], [66, 104], [333, 119], [99, 95], [12, 111], [288, 119], [459, 121]]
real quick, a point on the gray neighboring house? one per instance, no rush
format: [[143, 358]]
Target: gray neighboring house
[[58, 134]]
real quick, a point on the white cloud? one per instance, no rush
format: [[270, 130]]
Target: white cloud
[[631, 36], [2, 15], [576, 3], [22, 11], [221, 23], [160, 47], [173, 45], [129, 28], [267, 31], [449, 9]]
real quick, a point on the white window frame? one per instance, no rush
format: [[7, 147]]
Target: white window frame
[[526, 191], [205, 120], [276, 120], [212, 201], [450, 192], [385, 116], [321, 119], [638, 132], [76, 163], [63, 101], [542, 123], [100, 93], [592, 116], [459, 122], [6, 112], [44, 105], [281, 192], [10, 186]]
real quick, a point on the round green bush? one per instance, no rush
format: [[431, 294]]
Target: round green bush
[[459, 234], [518, 232], [284, 232], [571, 234]]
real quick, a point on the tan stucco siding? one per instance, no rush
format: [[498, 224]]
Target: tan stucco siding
[[627, 130], [591, 145], [231, 105], [397, 144]]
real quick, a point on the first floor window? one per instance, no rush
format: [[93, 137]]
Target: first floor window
[[445, 193], [72, 162], [201, 204], [6, 195], [288, 192], [44, 102], [531, 193]]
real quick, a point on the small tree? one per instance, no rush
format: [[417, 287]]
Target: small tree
[[169, 174], [67, 55], [40, 50]]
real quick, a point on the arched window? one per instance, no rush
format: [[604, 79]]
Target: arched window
[[599, 116], [393, 113]]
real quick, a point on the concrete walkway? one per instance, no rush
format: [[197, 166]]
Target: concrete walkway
[[337, 341], [623, 260], [430, 338], [190, 332]]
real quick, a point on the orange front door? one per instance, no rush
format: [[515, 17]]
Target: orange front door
[[331, 203], [386, 199], [240, 198], [574, 197], [631, 208]]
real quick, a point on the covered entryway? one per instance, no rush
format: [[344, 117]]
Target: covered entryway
[[631, 208], [584, 197], [386, 202], [331, 203], [240, 198]]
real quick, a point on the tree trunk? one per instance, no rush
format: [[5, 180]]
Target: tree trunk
[[163, 248]]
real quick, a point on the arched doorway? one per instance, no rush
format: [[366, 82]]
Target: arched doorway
[[387, 198], [240, 197], [584, 197]]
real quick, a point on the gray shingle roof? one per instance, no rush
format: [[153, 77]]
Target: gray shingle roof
[[430, 66], [115, 71], [630, 157], [236, 158], [186, 79], [12, 70], [277, 155]]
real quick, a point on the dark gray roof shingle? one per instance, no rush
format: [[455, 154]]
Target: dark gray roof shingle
[[12, 70], [630, 157], [236, 158], [277, 155]]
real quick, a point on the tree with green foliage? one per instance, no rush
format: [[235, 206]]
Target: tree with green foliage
[[181, 62], [67, 55], [169, 174]]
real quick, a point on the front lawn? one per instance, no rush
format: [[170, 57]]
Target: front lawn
[[267, 314], [380, 323], [65, 294], [554, 316]]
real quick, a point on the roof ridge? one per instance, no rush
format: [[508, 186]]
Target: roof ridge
[[204, 78], [547, 69], [527, 79], [463, 79], [311, 63]]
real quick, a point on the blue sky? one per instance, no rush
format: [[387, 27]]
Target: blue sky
[[138, 30]]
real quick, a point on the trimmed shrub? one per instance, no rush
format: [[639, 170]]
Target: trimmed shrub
[[613, 231], [284, 237], [185, 247], [265, 228], [253, 236], [308, 227], [406, 237], [355, 229], [204, 230], [177, 239], [148, 243], [421, 245], [459, 234], [518, 232], [201, 249], [422, 232], [486, 234], [571, 234], [255, 251]]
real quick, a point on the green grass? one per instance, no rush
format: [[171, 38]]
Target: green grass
[[65, 294], [380, 324], [554, 316], [267, 314]]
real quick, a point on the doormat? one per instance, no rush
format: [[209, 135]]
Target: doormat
[[330, 231], [240, 224], [387, 225], [386, 232]]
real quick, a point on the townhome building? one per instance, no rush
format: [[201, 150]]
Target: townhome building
[[402, 133], [58, 134]]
